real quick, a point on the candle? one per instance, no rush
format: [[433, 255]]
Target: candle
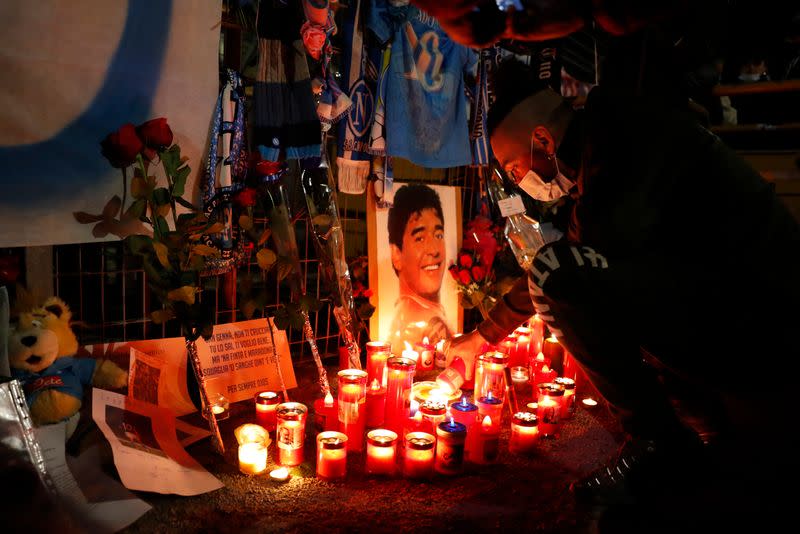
[[250, 433], [491, 406], [450, 440], [331, 455], [524, 433], [291, 432], [519, 375], [352, 409], [532, 406], [253, 458], [589, 402], [280, 474], [266, 404], [433, 412], [536, 364], [418, 455], [414, 424], [376, 404], [466, 413], [441, 357], [218, 406], [519, 355], [381, 452], [378, 352], [410, 353], [553, 350], [398, 392], [451, 379], [430, 390], [490, 375], [326, 414], [544, 375], [549, 409], [426, 355], [487, 446], [568, 402], [537, 333]]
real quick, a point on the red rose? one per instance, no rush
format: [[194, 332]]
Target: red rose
[[368, 293], [155, 133], [268, 168], [120, 148], [465, 260], [478, 272], [464, 276], [246, 197]]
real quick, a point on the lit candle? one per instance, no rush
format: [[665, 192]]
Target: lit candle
[[553, 350], [544, 375], [326, 414], [490, 375], [466, 413], [381, 452], [589, 402], [451, 379], [253, 458], [519, 356], [568, 402], [519, 375], [524, 433], [331, 455], [450, 441], [291, 432], [537, 333], [410, 353], [376, 404], [487, 446], [441, 357], [426, 355], [398, 392], [266, 403], [433, 412], [549, 409], [491, 406], [536, 364], [378, 352], [418, 455], [352, 409], [280, 474], [414, 424], [219, 407], [250, 433]]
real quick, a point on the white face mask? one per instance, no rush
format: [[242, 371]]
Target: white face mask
[[533, 184]]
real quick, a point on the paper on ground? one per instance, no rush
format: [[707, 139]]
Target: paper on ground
[[146, 450]]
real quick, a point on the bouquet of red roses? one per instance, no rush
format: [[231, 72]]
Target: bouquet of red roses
[[474, 281]]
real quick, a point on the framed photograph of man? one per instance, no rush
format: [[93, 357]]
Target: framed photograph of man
[[411, 245]]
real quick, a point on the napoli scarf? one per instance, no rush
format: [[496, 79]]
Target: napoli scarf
[[286, 124]]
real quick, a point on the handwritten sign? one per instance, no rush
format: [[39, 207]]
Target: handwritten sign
[[239, 361]]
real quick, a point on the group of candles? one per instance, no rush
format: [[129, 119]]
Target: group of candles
[[419, 431]]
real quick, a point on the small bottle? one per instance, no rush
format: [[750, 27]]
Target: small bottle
[[451, 379]]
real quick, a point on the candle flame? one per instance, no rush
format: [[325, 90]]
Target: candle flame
[[588, 401], [279, 474], [418, 417], [413, 407], [437, 395], [420, 324], [464, 400], [407, 344], [425, 340], [545, 369], [375, 386], [489, 396], [329, 400], [552, 338], [452, 421], [540, 357], [487, 423]]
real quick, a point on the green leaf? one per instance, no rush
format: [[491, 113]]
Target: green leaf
[[281, 321], [179, 182], [186, 204], [266, 258], [171, 159], [154, 274], [205, 250], [138, 244], [86, 218], [284, 268], [183, 294], [465, 302], [163, 254], [162, 316], [161, 196], [140, 189], [112, 207], [310, 303], [296, 319], [137, 209], [161, 222]]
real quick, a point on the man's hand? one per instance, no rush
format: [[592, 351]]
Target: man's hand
[[435, 330], [466, 347]]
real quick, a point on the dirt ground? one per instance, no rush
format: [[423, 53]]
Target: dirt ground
[[518, 493]]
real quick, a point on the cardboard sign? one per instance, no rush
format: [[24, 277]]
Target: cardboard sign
[[239, 361]]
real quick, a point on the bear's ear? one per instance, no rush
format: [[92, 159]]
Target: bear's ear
[[58, 307]]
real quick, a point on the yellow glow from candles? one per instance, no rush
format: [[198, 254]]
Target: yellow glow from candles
[[437, 395], [532, 405], [588, 401], [217, 409], [329, 400], [545, 369], [540, 357], [375, 386], [552, 338], [418, 417], [250, 433], [487, 423], [419, 324], [413, 407], [425, 341], [252, 458], [280, 474]]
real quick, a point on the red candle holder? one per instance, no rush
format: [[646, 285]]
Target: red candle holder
[[568, 402], [552, 349], [433, 412], [378, 352], [376, 404], [524, 433], [398, 392], [487, 447], [352, 397], [291, 432], [466, 413], [549, 409], [331, 455], [427, 355], [266, 403], [381, 452], [490, 375], [418, 455], [450, 440]]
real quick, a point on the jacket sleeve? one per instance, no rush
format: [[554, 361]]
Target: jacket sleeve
[[514, 308]]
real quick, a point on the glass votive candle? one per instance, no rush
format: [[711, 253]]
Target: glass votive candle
[[331, 455], [219, 406], [418, 455], [352, 397], [466, 413], [490, 375], [524, 433], [451, 438], [433, 412], [266, 404], [376, 404], [378, 352], [568, 402], [253, 458], [398, 392], [491, 406], [291, 427], [381, 452], [535, 365], [440, 359], [554, 351], [519, 375], [487, 445], [427, 354], [549, 408]]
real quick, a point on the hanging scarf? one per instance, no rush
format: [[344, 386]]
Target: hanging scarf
[[360, 74], [225, 153], [481, 149], [286, 125]]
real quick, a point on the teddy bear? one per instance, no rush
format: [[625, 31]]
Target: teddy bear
[[41, 346]]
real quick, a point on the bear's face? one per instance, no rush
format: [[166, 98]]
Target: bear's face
[[37, 338]]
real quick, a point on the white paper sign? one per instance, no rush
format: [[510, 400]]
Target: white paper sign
[[238, 360], [511, 206]]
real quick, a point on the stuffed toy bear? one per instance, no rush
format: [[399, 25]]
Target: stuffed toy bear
[[41, 346]]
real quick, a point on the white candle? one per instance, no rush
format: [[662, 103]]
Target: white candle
[[252, 458]]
